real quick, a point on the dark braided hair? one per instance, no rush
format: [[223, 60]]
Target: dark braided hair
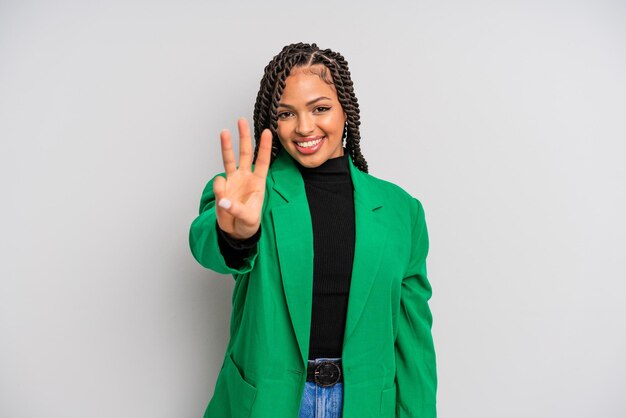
[[273, 84]]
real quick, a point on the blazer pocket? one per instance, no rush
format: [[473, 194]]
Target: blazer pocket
[[233, 397], [388, 402]]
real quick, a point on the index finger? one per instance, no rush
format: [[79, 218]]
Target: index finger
[[228, 157], [264, 155]]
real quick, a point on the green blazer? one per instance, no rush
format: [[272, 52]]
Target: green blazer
[[388, 354]]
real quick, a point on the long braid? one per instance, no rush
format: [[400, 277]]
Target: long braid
[[273, 83]]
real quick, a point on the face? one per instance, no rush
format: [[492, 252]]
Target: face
[[310, 118]]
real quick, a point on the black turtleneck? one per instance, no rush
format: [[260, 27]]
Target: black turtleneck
[[329, 191]]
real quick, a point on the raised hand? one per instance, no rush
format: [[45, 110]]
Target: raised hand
[[240, 195]]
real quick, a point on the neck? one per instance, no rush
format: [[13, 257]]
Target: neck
[[333, 169]]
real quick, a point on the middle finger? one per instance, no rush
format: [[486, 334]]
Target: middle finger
[[245, 145]]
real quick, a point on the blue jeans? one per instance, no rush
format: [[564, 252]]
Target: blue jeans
[[319, 401]]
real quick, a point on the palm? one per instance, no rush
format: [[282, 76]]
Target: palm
[[242, 187]]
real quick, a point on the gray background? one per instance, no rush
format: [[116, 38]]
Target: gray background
[[505, 118]]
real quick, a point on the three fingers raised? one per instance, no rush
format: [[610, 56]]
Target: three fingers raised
[[246, 151]]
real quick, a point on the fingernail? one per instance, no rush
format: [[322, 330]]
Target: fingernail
[[224, 203]]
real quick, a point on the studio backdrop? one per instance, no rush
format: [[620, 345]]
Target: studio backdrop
[[505, 119]]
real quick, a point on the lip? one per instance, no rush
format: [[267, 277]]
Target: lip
[[310, 150]]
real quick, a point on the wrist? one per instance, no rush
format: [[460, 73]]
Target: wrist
[[239, 242]]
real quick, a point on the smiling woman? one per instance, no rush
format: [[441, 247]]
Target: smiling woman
[[330, 312]]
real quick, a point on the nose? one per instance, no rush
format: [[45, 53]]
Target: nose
[[305, 125]]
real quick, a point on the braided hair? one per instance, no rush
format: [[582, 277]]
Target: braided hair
[[273, 84]]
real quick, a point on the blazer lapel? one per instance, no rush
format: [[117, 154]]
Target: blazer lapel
[[370, 240], [294, 241]]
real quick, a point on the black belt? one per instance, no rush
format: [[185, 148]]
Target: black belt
[[325, 373]]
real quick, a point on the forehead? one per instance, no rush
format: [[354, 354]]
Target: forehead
[[306, 83]]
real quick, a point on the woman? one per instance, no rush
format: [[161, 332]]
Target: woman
[[330, 313]]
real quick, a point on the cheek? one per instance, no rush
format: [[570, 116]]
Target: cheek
[[283, 133], [335, 123]]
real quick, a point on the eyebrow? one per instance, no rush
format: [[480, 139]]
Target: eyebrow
[[308, 103]]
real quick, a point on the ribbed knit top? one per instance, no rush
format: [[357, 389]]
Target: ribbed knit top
[[329, 192]]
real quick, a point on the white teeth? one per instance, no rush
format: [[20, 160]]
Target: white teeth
[[309, 144]]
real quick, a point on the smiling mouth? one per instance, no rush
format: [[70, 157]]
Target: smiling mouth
[[309, 144]]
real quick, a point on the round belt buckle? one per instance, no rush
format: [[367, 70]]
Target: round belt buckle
[[327, 373]]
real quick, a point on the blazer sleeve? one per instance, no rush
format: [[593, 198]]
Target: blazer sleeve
[[416, 375], [210, 248]]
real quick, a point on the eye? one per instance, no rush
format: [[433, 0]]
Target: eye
[[283, 115], [322, 109]]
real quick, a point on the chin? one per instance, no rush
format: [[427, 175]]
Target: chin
[[309, 162]]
